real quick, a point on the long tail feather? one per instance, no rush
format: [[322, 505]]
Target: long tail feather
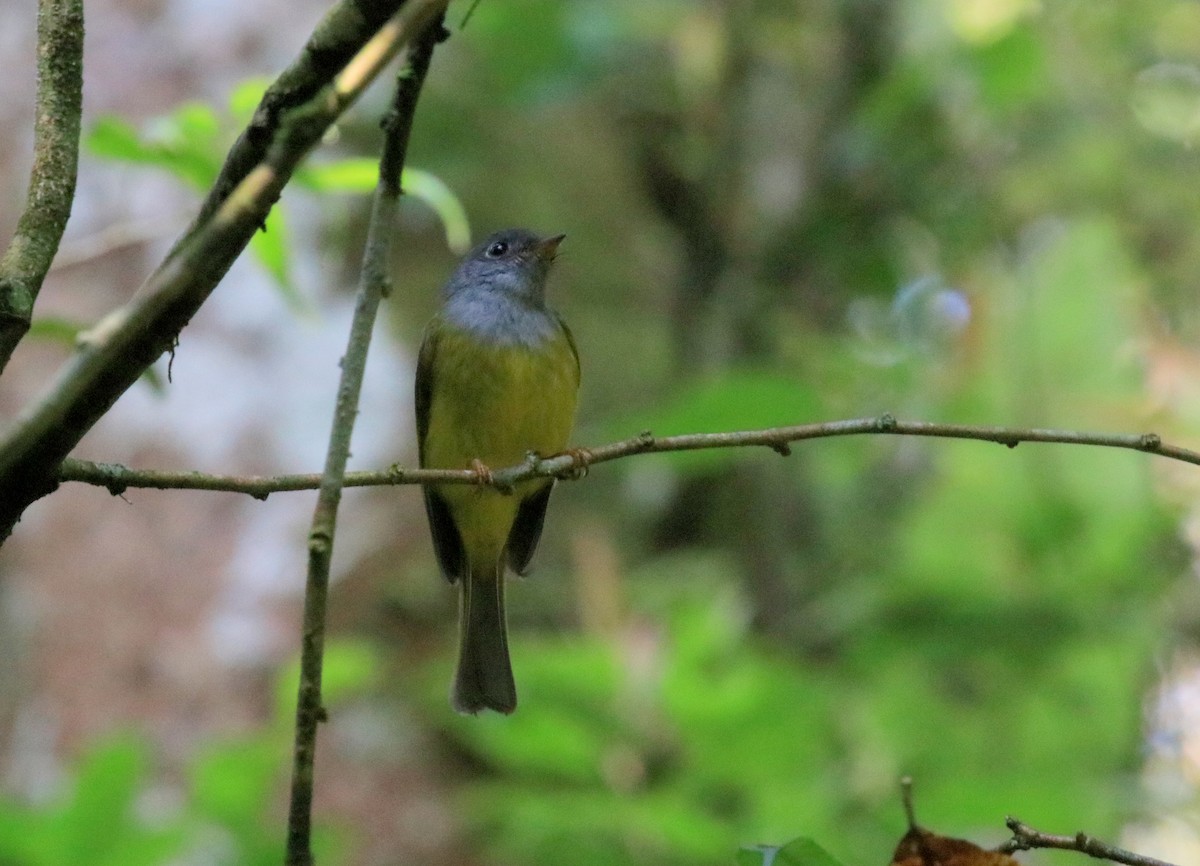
[[484, 679]]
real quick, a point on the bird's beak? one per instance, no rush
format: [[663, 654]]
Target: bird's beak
[[546, 250]]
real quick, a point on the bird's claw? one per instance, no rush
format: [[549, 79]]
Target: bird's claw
[[581, 459], [483, 475]]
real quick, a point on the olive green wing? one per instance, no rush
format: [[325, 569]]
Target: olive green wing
[[447, 543]]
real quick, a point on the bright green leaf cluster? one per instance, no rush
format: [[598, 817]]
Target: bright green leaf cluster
[[231, 788], [798, 852], [190, 144]]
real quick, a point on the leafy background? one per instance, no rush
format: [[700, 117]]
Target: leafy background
[[961, 210]]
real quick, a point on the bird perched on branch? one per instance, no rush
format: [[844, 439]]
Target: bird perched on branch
[[497, 378]]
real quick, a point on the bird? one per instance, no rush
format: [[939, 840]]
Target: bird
[[497, 378]]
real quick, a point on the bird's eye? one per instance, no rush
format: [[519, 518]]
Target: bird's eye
[[497, 249]]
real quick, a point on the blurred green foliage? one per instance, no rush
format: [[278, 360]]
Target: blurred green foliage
[[780, 213], [96, 822], [798, 852], [190, 143], [113, 812]]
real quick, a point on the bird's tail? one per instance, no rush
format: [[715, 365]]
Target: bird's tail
[[484, 679]]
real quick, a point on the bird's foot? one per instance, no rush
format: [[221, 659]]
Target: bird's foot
[[581, 459], [483, 475]]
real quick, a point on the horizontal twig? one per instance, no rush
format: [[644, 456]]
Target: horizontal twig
[[1025, 838], [574, 462]]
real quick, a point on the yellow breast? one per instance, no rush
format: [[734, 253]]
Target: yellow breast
[[496, 402]]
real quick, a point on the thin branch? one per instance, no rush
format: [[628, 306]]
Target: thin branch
[[569, 464], [1026, 838], [111, 356], [55, 161], [118, 479], [373, 285]]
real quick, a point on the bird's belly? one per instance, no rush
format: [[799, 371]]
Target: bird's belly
[[497, 406]]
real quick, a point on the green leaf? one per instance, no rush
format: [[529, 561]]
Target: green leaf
[[271, 249], [245, 99], [360, 175], [193, 123], [185, 144], [355, 174], [804, 852], [798, 852], [56, 329], [430, 189], [113, 138], [757, 855]]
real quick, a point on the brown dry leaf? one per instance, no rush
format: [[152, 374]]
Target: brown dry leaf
[[920, 847]]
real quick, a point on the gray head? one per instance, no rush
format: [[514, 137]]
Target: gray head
[[511, 263]]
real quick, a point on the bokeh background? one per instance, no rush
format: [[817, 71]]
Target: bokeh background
[[979, 211]]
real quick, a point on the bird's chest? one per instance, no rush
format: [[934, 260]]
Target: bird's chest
[[498, 402]]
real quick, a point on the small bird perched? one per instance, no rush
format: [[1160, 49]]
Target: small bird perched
[[497, 377]]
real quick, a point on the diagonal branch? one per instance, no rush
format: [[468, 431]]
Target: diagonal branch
[[111, 357], [52, 178], [1026, 838], [373, 285], [337, 38], [569, 464]]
